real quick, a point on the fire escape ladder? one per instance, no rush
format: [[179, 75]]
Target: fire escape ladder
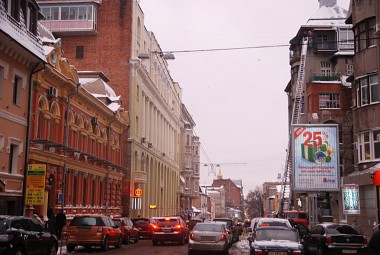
[[297, 107]]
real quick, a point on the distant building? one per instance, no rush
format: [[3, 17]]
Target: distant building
[[218, 195]]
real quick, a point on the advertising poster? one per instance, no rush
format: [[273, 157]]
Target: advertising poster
[[351, 201], [35, 184], [315, 157]]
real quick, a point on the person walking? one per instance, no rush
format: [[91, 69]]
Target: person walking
[[61, 222], [51, 223]]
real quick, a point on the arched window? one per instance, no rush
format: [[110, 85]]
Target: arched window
[[55, 130], [42, 122], [75, 190], [84, 198]]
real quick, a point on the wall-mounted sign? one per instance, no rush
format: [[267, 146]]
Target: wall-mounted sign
[[35, 184], [138, 192], [152, 206], [351, 199], [315, 151]]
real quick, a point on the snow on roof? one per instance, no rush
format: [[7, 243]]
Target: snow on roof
[[328, 15], [18, 32], [345, 82], [114, 106], [97, 86]]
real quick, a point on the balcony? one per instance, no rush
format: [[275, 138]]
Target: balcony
[[67, 27], [140, 177], [324, 77]]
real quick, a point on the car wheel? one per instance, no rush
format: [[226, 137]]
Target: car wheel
[[53, 249], [128, 239], [19, 251], [106, 244], [137, 239], [119, 243], [70, 248]]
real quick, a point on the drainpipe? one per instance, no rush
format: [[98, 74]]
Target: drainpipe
[[27, 143], [109, 158], [66, 142]]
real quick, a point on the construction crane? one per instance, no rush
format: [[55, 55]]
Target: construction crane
[[213, 166]]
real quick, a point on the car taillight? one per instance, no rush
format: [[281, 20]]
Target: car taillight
[[100, 229], [328, 240], [365, 241], [297, 252], [178, 227], [259, 252], [191, 236], [223, 237], [154, 227]]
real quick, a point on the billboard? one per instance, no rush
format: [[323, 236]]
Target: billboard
[[350, 196], [315, 155]]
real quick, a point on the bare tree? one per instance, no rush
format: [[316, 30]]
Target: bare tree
[[254, 203]]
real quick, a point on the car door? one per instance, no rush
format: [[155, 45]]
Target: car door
[[30, 238], [43, 237], [314, 240]]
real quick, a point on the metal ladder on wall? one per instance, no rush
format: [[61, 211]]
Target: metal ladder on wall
[[286, 185]]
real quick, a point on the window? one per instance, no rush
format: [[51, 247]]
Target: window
[[325, 68], [369, 145], [329, 101], [15, 149], [367, 90], [84, 199], [13, 8], [80, 52], [322, 42], [137, 125], [365, 34], [17, 85], [50, 13], [1, 80], [346, 38], [349, 67], [75, 190]]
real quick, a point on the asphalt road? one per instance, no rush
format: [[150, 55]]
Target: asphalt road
[[145, 247]]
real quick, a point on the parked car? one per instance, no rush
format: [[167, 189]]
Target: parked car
[[276, 240], [231, 226], [191, 223], [144, 226], [21, 235], [208, 236], [128, 230], [93, 230], [228, 232], [170, 229], [297, 216], [332, 238]]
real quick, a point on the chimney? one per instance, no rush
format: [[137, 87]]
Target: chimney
[[327, 3]]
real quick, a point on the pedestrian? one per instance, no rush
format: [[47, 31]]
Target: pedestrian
[[374, 243], [51, 223], [38, 218], [61, 222]]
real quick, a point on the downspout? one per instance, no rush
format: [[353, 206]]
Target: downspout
[[109, 158], [27, 143], [66, 141]]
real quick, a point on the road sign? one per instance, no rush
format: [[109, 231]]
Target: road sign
[[35, 184]]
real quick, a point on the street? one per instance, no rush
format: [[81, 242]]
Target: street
[[145, 246]]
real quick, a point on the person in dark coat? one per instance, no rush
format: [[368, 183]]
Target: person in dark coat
[[61, 222], [51, 224], [374, 243]]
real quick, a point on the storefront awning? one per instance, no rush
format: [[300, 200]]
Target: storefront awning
[[362, 177]]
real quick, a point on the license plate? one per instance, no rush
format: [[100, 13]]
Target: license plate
[[207, 238], [277, 253], [350, 251]]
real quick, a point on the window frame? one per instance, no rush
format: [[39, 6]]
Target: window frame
[[368, 146], [333, 100]]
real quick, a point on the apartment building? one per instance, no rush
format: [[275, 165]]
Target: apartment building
[[110, 36], [322, 72], [21, 56], [364, 17]]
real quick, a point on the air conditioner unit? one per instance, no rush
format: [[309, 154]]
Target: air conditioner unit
[[53, 92], [143, 139], [150, 145], [94, 121]]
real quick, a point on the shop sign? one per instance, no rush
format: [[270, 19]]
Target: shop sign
[[350, 198], [138, 192]]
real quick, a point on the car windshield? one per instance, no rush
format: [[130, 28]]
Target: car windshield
[[276, 234], [167, 223], [87, 221], [273, 223], [140, 222], [341, 229], [117, 223], [208, 227]]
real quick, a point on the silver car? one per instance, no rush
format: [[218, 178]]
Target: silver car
[[208, 236]]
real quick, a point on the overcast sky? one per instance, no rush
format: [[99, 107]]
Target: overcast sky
[[236, 97]]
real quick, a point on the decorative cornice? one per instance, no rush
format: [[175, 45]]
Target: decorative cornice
[[12, 117]]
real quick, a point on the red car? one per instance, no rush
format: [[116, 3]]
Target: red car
[[128, 230]]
